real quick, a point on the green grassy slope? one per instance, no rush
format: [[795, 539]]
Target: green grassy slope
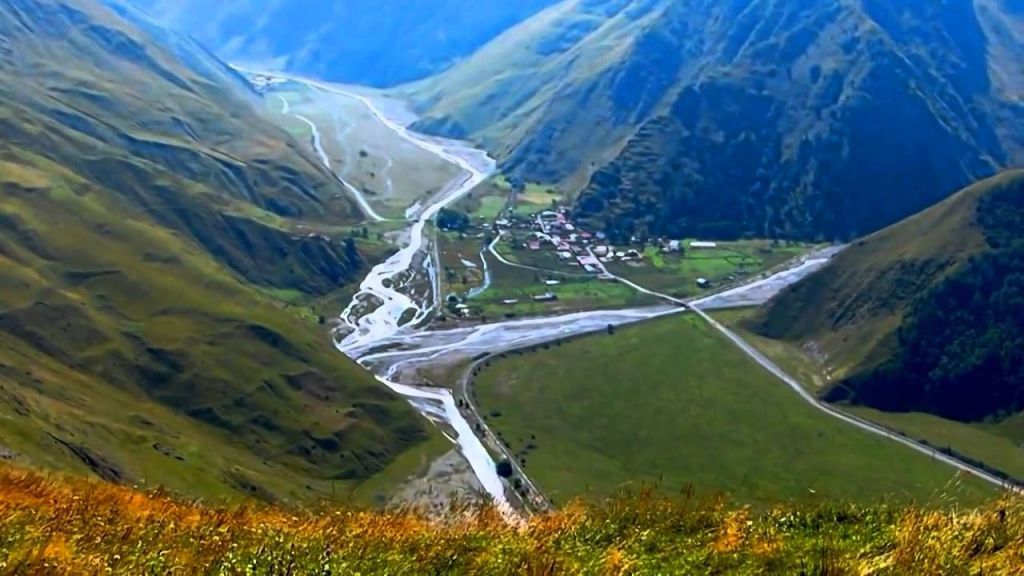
[[922, 317], [672, 401], [138, 340], [851, 310], [565, 94]]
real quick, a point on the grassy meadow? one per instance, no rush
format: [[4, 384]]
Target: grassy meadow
[[671, 402]]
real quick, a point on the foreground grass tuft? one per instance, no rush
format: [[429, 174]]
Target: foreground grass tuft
[[54, 525]]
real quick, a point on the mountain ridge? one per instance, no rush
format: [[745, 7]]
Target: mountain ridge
[[728, 148], [357, 41]]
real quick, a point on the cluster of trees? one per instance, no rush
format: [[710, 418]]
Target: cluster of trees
[[453, 220], [961, 348], [962, 344]]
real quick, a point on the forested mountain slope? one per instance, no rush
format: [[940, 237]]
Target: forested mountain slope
[[144, 219], [380, 43], [926, 315], [747, 117]]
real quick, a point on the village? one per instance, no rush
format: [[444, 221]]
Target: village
[[553, 230], [541, 261]]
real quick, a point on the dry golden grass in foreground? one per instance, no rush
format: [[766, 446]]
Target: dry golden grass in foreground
[[55, 525]]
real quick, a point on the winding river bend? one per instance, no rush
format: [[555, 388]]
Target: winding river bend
[[385, 309]]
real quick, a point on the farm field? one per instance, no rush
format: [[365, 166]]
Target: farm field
[[677, 274], [534, 196], [487, 202]]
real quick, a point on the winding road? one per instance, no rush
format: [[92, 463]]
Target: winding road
[[751, 294]]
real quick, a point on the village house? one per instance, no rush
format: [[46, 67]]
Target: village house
[[703, 245]]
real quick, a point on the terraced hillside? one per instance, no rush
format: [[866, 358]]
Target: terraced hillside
[[147, 217]]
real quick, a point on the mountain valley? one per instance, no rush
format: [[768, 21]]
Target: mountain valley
[[552, 286]]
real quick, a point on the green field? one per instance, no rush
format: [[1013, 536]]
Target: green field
[[574, 294], [534, 198], [486, 202], [677, 274], [672, 402], [458, 277], [973, 441]]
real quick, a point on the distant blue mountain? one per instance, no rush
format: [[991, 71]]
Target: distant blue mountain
[[374, 42]]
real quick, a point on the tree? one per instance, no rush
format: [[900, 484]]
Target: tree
[[453, 220], [504, 469], [351, 252]]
